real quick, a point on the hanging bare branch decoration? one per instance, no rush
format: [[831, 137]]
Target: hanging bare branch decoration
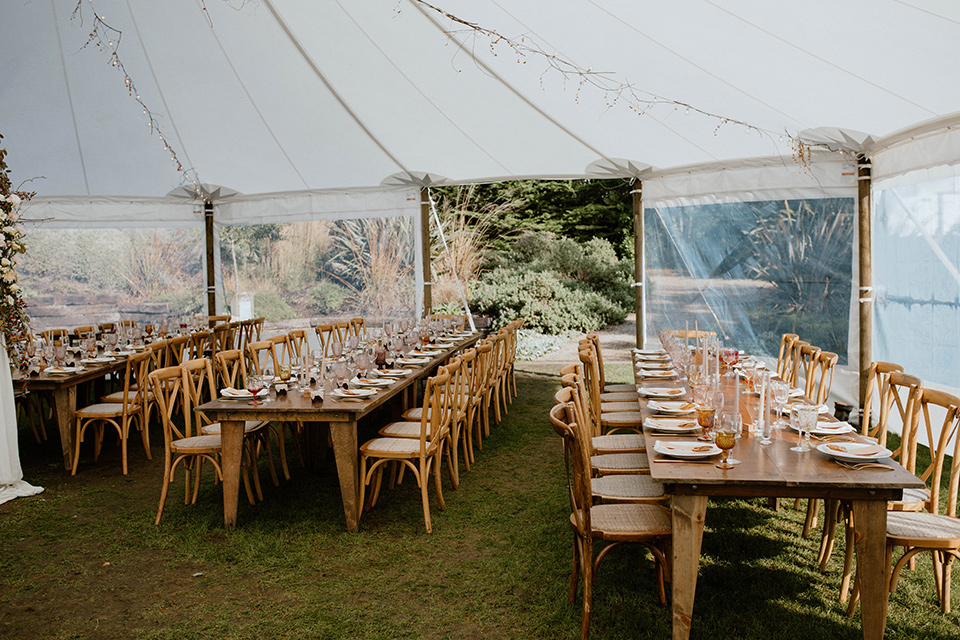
[[107, 39], [613, 90]]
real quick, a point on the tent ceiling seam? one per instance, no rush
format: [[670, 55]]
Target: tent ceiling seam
[[336, 94], [926, 11], [647, 113], [417, 88], [822, 59], [506, 84], [163, 99], [253, 103], [73, 113], [697, 66]]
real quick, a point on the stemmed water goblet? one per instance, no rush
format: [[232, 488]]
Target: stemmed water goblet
[[336, 348], [352, 343], [60, 351], [112, 339], [806, 419], [726, 439], [256, 384], [730, 356], [363, 363], [706, 411], [340, 372]]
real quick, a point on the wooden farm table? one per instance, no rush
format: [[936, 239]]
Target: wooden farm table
[[64, 389], [342, 417], [775, 471]]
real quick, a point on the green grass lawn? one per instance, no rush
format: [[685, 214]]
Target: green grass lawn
[[84, 560]]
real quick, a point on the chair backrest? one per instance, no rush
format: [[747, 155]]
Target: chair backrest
[[903, 393], [178, 350], [437, 409], [257, 324], [804, 355], [52, 335], [157, 350], [940, 446], [591, 382], [81, 332], [246, 334], [358, 327], [328, 334], [198, 388], [819, 381], [877, 380], [213, 321], [200, 341], [470, 387], [282, 348], [454, 367], [224, 337], [577, 459], [167, 384], [785, 358], [299, 345], [484, 356], [232, 368], [135, 373], [257, 353]]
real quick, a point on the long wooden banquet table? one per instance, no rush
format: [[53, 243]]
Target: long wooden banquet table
[[64, 390], [777, 472], [341, 416]]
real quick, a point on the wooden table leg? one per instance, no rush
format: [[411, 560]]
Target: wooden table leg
[[65, 408], [231, 442], [346, 454], [689, 513], [873, 569]]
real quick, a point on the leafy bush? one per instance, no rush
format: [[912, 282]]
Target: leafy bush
[[547, 302], [271, 306], [329, 296]]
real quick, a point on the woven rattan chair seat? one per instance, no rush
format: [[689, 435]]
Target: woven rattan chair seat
[[196, 442], [618, 442], [614, 521], [614, 407], [405, 429], [622, 419], [117, 396], [924, 526], [912, 500], [106, 410], [619, 463], [618, 396], [404, 446], [626, 487], [249, 426]]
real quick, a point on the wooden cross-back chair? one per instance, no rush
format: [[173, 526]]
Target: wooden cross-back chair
[[877, 379], [261, 356], [299, 345], [223, 337], [785, 358], [358, 327], [422, 455], [904, 392], [929, 530], [328, 334], [200, 344], [646, 524], [184, 445], [82, 332], [121, 416], [281, 346], [804, 356], [53, 335], [819, 380], [612, 416], [178, 350]]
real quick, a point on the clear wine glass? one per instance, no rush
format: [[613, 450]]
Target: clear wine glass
[[806, 417], [780, 392], [730, 356], [340, 372]]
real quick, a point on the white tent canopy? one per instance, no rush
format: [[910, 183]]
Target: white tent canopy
[[281, 96]]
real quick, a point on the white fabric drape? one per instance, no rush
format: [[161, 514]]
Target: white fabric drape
[[12, 484]]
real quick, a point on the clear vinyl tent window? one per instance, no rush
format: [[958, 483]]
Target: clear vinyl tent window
[[75, 277], [916, 257], [753, 271], [314, 271]]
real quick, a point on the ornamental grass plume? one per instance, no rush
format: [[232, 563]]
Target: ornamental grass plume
[[14, 322]]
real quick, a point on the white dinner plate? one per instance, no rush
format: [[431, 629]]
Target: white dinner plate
[[229, 393], [662, 375], [654, 365], [428, 353], [372, 382], [353, 393], [393, 373], [672, 406], [444, 345], [649, 352], [51, 371], [412, 361], [98, 360], [661, 392], [672, 425], [854, 451], [686, 449], [659, 357], [830, 428]]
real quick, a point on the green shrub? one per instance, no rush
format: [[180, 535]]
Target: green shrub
[[549, 304], [329, 296], [454, 308], [271, 306]]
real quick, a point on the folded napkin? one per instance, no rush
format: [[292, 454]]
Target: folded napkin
[[855, 449]]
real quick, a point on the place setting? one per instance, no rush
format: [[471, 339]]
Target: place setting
[[673, 425], [661, 392], [672, 406]]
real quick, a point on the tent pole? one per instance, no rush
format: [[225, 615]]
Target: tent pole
[[425, 250], [636, 192], [211, 263], [865, 255]]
